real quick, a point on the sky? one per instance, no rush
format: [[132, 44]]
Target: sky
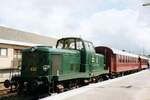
[[121, 24]]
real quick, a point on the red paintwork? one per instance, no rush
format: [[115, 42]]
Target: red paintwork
[[114, 65]]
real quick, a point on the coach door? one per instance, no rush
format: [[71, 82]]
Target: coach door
[[113, 67]]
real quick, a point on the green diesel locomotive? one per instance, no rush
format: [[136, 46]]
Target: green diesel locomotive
[[71, 64]]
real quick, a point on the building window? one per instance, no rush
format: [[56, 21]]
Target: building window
[[3, 51], [17, 54], [17, 58]]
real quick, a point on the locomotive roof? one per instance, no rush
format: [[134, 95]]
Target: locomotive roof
[[71, 38], [74, 38]]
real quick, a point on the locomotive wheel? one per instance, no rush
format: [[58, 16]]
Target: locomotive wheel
[[86, 82], [60, 88], [94, 80], [100, 79], [105, 77]]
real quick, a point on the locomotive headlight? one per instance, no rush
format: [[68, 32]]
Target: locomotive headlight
[[46, 67]]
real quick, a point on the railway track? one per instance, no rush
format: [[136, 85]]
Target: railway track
[[4, 92]]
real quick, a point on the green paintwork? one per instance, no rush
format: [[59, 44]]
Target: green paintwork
[[64, 63]]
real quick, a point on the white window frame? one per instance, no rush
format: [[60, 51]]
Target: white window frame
[[3, 53]]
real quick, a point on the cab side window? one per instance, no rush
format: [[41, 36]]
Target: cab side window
[[79, 45], [89, 46]]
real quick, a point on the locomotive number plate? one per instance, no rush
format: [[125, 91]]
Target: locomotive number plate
[[33, 69]]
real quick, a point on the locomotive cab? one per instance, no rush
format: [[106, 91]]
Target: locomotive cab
[[86, 49], [89, 60], [74, 44]]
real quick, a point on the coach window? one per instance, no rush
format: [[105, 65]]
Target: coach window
[[132, 59], [3, 51], [123, 59], [135, 60], [120, 58], [129, 59]]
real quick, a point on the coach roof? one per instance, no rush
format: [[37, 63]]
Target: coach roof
[[119, 52]]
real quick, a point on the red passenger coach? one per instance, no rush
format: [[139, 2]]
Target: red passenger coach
[[120, 61]]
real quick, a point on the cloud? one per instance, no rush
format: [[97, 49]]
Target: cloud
[[46, 16], [121, 29], [122, 24]]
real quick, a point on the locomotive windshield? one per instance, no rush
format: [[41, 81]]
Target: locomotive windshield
[[70, 44]]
